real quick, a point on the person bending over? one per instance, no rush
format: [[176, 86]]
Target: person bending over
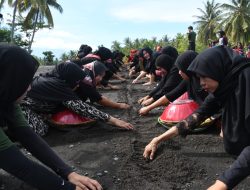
[[17, 69]]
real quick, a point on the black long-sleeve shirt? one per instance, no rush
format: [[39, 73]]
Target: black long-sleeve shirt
[[177, 91], [86, 91], [167, 84], [14, 162], [239, 170]]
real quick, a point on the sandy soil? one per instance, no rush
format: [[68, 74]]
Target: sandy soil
[[114, 156]]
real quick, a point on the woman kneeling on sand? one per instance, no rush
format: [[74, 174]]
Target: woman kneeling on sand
[[17, 69], [62, 88], [169, 73], [226, 76], [95, 71]]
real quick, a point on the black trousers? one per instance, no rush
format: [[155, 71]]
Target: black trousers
[[191, 46]]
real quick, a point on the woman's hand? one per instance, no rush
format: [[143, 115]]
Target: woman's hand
[[120, 123], [218, 185], [150, 149], [83, 182], [135, 81], [144, 111], [141, 100], [147, 102]]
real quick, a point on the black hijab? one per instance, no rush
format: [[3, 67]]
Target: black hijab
[[222, 64], [171, 51], [17, 69], [149, 51], [84, 50], [194, 89], [57, 85], [232, 71], [165, 62], [184, 60], [104, 53]]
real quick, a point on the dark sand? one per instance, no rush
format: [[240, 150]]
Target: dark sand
[[114, 156]]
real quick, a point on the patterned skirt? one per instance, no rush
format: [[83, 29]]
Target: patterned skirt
[[38, 112]]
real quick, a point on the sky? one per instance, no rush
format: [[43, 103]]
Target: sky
[[100, 22]]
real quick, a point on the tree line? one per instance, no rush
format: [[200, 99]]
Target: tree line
[[232, 17]]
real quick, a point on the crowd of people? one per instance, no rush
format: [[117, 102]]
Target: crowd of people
[[218, 79]]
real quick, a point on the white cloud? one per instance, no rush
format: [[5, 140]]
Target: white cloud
[[56, 39], [158, 10], [59, 41]]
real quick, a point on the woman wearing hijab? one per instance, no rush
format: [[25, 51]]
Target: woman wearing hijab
[[170, 76], [138, 63], [149, 67], [133, 61], [190, 84], [60, 89], [226, 76], [83, 51], [95, 71], [16, 62], [104, 55]]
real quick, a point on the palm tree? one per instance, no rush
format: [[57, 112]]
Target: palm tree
[[116, 45], [128, 43], [39, 16], [137, 44], [16, 4], [208, 21], [237, 20]]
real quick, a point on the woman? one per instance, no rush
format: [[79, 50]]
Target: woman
[[17, 68], [222, 38], [104, 55], [149, 67], [83, 51], [101, 54], [170, 79], [170, 76], [95, 71], [226, 76], [190, 83], [62, 88], [138, 63], [133, 61]]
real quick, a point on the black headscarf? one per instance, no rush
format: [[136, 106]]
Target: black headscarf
[[184, 60], [69, 72], [171, 51], [140, 54], [222, 64], [165, 62], [84, 50], [232, 71], [57, 85], [17, 69], [149, 51], [194, 89], [104, 53]]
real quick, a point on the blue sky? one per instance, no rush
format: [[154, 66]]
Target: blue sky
[[100, 22]]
